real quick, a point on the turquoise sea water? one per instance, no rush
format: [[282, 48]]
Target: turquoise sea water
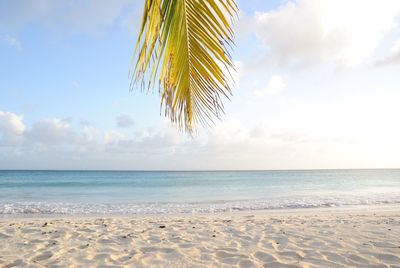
[[136, 192]]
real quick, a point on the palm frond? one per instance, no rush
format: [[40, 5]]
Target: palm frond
[[184, 43]]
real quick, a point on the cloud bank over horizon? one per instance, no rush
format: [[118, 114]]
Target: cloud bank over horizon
[[301, 138]]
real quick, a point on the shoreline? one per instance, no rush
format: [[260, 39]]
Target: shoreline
[[265, 212]]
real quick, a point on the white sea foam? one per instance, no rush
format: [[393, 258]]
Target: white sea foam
[[42, 208]]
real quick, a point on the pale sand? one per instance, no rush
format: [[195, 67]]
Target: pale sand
[[304, 238]]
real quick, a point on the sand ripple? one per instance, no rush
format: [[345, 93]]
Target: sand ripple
[[301, 239]]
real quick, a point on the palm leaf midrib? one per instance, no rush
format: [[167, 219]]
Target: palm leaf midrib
[[188, 44]]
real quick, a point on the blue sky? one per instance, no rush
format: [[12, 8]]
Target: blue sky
[[316, 87]]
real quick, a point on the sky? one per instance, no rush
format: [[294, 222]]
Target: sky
[[316, 87]]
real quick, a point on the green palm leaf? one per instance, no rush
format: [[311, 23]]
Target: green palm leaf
[[184, 45]]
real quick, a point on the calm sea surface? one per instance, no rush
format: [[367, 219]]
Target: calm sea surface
[[133, 192]]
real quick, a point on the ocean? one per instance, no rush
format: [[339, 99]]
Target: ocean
[[160, 192]]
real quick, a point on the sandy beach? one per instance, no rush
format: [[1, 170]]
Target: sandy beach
[[298, 238]]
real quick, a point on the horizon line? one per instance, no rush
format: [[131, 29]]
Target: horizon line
[[198, 170]]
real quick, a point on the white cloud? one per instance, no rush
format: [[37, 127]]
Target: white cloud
[[125, 120], [52, 131], [11, 122], [396, 47], [275, 85], [89, 138], [325, 31], [112, 137], [12, 41], [11, 128], [243, 26], [237, 73], [393, 57]]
